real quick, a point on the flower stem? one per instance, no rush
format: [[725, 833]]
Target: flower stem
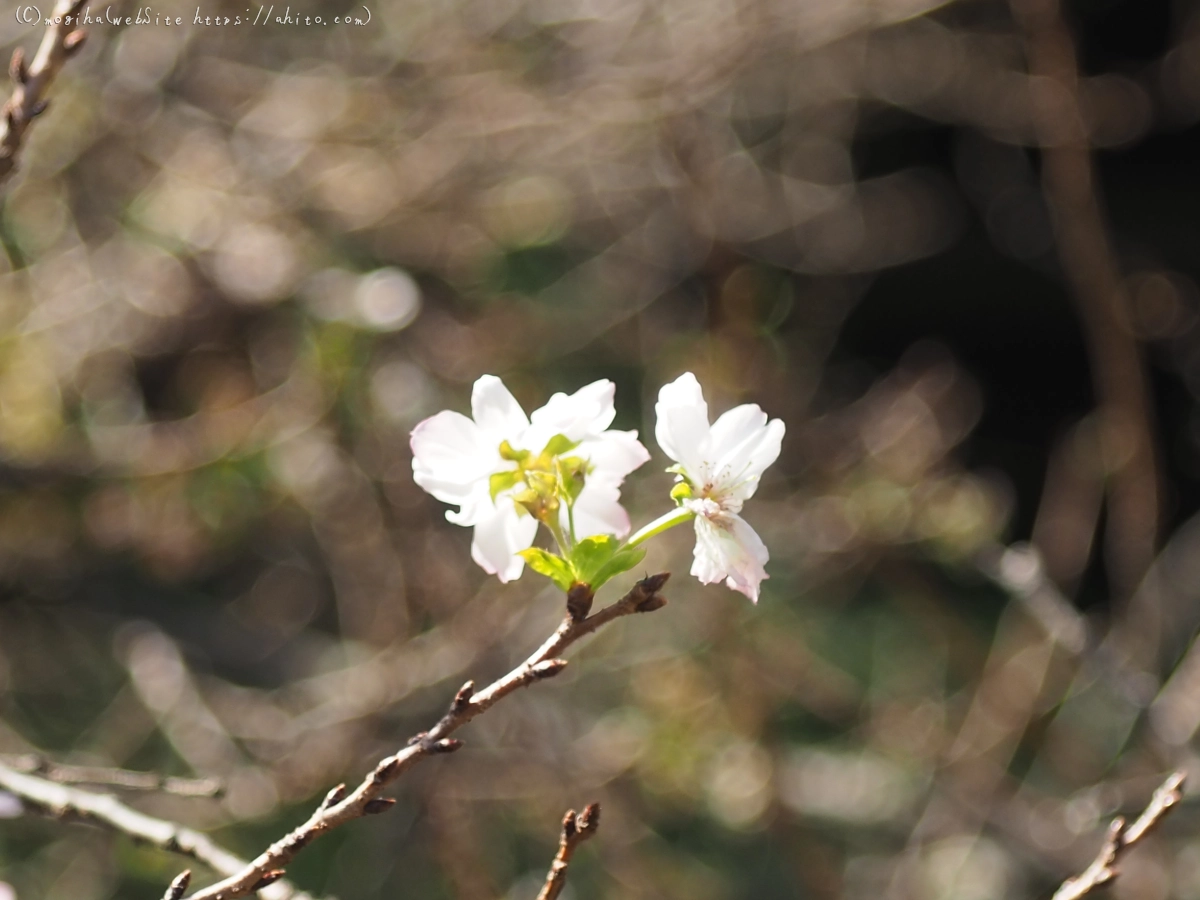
[[564, 545], [662, 523], [571, 520]]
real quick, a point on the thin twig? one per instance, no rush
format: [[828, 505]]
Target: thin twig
[[340, 807], [32, 81], [1120, 838], [575, 830], [60, 773]]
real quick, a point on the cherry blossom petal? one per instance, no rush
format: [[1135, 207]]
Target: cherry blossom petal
[[475, 506], [613, 454], [742, 467], [767, 451], [499, 535], [682, 428], [586, 413], [598, 511], [449, 455], [496, 411], [734, 432], [728, 549]]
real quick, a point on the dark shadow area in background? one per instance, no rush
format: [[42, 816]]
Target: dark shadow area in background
[[1011, 322]]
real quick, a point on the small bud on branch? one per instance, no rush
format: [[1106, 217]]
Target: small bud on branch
[[18, 71], [74, 41], [579, 601], [269, 878], [334, 797], [549, 668], [463, 698], [179, 885]]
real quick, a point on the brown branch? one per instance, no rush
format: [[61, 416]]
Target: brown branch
[[575, 830], [1120, 838], [340, 807], [32, 81], [59, 773]]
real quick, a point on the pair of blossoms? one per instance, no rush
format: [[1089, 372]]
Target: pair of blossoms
[[563, 467]]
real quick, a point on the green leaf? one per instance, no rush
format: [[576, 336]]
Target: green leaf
[[559, 444], [600, 558], [591, 554], [502, 481], [553, 567], [622, 561]]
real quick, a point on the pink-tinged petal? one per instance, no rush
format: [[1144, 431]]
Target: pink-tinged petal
[[750, 571], [586, 413], [450, 455], [613, 454], [729, 550], [598, 510], [682, 428], [499, 535], [496, 411]]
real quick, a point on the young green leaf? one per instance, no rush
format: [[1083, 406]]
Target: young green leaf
[[553, 567], [622, 561], [591, 554]]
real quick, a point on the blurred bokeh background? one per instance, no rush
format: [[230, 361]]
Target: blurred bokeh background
[[956, 256]]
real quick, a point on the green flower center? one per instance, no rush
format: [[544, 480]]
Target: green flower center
[[545, 480]]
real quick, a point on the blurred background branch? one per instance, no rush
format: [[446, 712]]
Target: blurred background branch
[[32, 764], [70, 804], [1087, 257]]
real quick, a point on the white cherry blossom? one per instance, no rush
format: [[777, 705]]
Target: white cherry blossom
[[455, 457], [721, 464]]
